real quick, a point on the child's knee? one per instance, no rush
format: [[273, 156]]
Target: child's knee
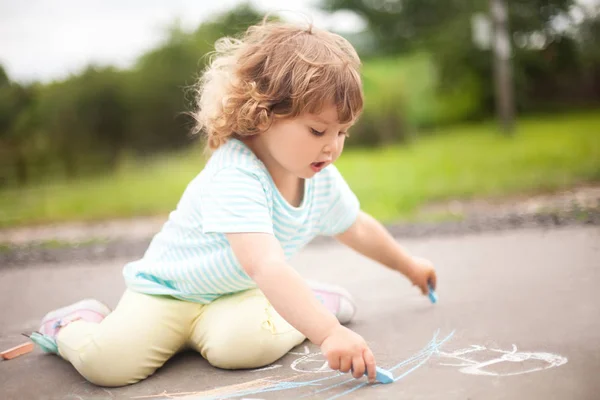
[[236, 351], [110, 379], [241, 355], [103, 369]]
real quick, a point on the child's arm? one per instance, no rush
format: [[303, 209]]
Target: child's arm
[[262, 258], [370, 238], [282, 285]]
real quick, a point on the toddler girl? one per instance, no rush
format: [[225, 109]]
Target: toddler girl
[[276, 107]]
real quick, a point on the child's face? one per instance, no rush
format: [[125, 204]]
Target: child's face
[[306, 144]]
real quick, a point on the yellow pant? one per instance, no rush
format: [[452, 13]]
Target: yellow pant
[[233, 332]]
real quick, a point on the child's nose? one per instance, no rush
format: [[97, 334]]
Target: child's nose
[[331, 147]]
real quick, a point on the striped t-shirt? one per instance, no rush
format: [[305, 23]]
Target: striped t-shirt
[[191, 259]]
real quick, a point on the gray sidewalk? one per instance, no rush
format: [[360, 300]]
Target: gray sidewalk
[[518, 317]]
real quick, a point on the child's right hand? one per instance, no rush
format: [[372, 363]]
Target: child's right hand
[[347, 351]]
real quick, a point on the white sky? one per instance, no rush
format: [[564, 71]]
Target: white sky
[[50, 39]]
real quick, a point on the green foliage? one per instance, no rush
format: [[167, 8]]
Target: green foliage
[[156, 94], [15, 117], [85, 118], [401, 97], [4, 81]]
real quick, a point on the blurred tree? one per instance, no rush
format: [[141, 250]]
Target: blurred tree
[[230, 23], [103, 112], [15, 101], [86, 119], [588, 44], [155, 93], [91, 119], [159, 88], [403, 26], [3, 77], [66, 138], [444, 29]]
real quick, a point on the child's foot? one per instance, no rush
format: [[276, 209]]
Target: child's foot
[[90, 310], [336, 299]]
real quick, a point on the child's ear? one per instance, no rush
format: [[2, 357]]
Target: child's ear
[[264, 119]]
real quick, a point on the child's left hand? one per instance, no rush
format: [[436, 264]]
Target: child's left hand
[[422, 273]]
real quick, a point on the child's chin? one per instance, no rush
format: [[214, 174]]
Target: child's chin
[[308, 174]]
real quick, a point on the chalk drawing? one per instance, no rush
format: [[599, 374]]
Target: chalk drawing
[[307, 364], [305, 352], [420, 358], [236, 390], [267, 385], [475, 367], [267, 368], [311, 363]]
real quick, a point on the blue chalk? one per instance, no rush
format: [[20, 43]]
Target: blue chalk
[[383, 376], [432, 295]]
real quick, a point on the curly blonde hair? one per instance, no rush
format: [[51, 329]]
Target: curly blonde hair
[[276, 70]]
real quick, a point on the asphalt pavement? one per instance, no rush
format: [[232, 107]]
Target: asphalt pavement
[[518, 317]]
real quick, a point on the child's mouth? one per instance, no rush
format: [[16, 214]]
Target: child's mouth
[[317, 166]]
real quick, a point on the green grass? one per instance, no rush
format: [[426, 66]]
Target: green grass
[[474, 160], [51, 244], [546, 153], [136, 189]]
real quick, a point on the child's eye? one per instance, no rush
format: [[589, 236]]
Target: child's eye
[[316, 132]]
